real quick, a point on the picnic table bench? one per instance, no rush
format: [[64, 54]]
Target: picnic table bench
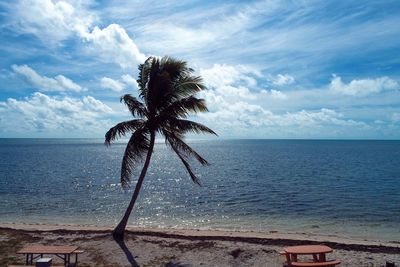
[[318, 253], [33, 266], [316, 264], [62, 252]]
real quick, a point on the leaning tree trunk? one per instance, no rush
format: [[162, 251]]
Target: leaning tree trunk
[[119, 230]]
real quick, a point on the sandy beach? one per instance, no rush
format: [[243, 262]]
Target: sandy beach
[[173, 247]]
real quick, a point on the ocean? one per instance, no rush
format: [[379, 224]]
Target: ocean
[[344, 188]]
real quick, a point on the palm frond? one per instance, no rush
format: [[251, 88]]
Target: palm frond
[[136, 107], [135, 150], [189, 169], [160, 92], [174, 67], [144, 76], [184, 106], [155, 86], [186, 164], [188, 85], [175, 140], [165, 80], [184, 126], [121, 129]]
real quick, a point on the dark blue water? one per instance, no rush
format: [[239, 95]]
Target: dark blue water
[[347, 188]]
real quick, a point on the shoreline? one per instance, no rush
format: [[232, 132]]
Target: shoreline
[[273, 237]]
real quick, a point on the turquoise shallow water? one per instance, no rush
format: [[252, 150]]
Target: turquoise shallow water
[[347, 188]]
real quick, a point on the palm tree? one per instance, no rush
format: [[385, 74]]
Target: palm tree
[[167, 87]]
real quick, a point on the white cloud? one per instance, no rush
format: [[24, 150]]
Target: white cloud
[[236, 93], [245, 114], [52, 21], [363, 87], [278, 94], [205, 29], [54, 115], [56, 21], [396, 117], [221, 75], [232, 84], [95, 105], [236, 111], [178, 36], [58, 83], [129, 80], [112, 84], [68, 84], [113, 44], [244, 119], [283, 79], [322, 116], [118, 85]]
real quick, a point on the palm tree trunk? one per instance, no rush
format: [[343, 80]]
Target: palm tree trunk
[[118, 232]]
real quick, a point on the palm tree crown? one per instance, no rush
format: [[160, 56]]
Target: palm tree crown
[[167, 87]]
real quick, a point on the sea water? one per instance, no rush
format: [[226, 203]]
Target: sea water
[[344, 188]]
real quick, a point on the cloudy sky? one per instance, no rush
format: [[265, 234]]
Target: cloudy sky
[[274, 69]]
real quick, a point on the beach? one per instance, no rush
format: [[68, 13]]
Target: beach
[[178, 247]]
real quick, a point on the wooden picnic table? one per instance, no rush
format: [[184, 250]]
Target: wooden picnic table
[[63, 252], [318, 253]]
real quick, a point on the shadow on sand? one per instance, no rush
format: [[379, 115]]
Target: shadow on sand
[[128, 253], [133, 262]]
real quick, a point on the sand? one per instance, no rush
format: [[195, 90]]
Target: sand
[[178, 248]]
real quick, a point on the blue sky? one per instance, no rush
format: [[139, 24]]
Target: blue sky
[[274, 69]]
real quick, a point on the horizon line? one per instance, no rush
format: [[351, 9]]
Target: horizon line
[[220, 139]]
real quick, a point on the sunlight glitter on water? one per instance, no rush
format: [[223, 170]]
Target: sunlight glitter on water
[[259, 185]]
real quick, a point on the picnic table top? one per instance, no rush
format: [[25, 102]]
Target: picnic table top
[[33, 265], [308, 249], [40, 249]]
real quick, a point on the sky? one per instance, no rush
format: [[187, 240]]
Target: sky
[[274, 69]]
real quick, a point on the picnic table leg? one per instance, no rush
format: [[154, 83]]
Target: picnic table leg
[[27, 259], [322, 257], [288, 259], [66, 260], [315, 258]]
